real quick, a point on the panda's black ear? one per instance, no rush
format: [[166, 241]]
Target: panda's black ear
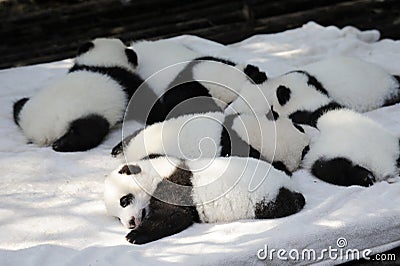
[[132, 57], [283, 94], [84, 48], [17, 107], [255, 74]]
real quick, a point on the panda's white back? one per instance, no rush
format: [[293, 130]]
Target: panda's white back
[[344, 133], [223, 81], [354, 83], [169, 56], [77, 94], [189, 137], [228, 188]]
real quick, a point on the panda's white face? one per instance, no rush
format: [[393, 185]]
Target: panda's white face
[[106, 52], [277, 140], [287, 94], [124, 198], [293, 92], [128, 189]]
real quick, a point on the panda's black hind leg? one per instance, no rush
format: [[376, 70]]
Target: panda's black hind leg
[[342, 172], [286, 203], [83, 134]]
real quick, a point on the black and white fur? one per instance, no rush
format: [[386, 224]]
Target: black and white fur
[[164, 196], [305, 94], [207, 135], [351, 149], [186, 82], [76, 113]]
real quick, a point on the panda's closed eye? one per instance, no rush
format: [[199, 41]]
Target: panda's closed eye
[[272, 115], [126, 200]]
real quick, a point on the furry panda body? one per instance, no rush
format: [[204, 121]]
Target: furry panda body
[[168, 195], [187, 82], [212, 134], [76, 113], [356, 84], [352, 150], [305, 94], [68, 102]]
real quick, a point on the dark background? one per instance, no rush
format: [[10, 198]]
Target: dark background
[[37, 31]]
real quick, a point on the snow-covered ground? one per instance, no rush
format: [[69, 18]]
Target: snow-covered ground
[[51, 204]]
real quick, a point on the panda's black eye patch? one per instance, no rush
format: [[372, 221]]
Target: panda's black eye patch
[[129, 169], [126, 200], [132, 57], [283, 94], [84, 48], [298, 127]]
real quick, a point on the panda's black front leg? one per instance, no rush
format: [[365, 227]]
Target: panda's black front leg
[[164, 220], [83, 134], [119, 148]]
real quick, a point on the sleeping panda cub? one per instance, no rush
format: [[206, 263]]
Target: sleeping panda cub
[[351, 149], [186, 82], [76, 113], [160, 197], [304, 95], [207, 135]]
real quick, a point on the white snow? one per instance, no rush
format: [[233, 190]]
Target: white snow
[[51, 204]]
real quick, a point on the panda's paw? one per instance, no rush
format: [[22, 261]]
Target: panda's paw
[[368, 181], [117, 150], [62, 145], [136, 237]]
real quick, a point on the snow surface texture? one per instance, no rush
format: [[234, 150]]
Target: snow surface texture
[[51, 204]]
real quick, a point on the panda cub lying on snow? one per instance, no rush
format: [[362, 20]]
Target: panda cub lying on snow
[[77, 112], [164, 196], [352, 150], [211, 134], [304, 95], [183, 81]]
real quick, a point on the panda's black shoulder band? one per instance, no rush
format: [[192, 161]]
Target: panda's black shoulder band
[[220, 60]]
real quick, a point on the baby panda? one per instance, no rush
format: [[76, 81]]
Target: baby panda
[[304, 95], [76, 113], [351, 149], [160, 197], [207, 135], [186, 82]]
